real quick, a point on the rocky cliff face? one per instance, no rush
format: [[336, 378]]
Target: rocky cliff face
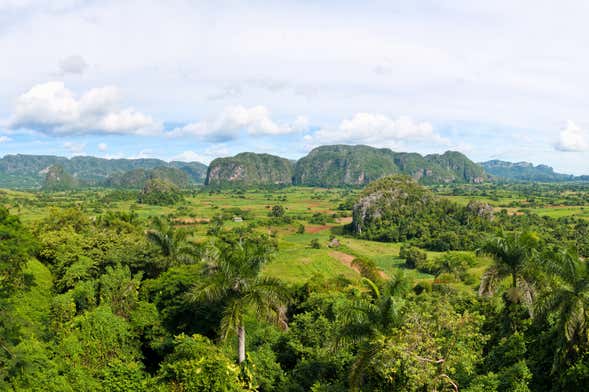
[[250, 169], [56, 179], [386, 197]]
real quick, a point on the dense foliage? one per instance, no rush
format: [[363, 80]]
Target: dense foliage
[[125, 299]]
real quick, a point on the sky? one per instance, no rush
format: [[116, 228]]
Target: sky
[[196, 80]]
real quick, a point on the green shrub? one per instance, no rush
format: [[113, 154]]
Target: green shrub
[[414, 257]]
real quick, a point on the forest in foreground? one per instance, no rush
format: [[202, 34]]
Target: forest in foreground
[[395, 287]]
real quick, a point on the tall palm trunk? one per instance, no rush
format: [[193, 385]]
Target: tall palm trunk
[[241, 343]]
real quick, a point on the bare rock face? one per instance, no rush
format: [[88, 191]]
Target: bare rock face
[[481, 209], [56, 178]]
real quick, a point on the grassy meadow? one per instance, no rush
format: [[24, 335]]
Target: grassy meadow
[[296, 261]]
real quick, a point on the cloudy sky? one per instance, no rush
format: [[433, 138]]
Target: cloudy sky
[[193, 80]]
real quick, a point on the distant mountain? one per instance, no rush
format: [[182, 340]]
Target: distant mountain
[[525, 171], [28, 171], [56, 179], [325, 166], [249, 168], [339, 165], [138, 178], [343, 165]]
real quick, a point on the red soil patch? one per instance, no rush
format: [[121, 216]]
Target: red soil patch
[[316, 229], [344, 220]]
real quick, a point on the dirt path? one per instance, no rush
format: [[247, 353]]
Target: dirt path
[[347, 260]]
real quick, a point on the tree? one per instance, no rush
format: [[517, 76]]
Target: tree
[[567, 297], [513, 255], [369, 320], [172, 242], [277, 211], [233, 276], [196, 364], [16, 247], [414, 257]]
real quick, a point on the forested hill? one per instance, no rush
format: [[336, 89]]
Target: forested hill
[[526, 171], [30, 171], [343, 165], [250, 169]]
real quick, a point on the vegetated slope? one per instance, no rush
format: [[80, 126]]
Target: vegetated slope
[[460, 166], [159, 192], [250, 169], [397, 208], [343, 165], [28, 171], [526, 171], [138, 178], [339, 165]]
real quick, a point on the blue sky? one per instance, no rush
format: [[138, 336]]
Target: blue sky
[[194, 80]]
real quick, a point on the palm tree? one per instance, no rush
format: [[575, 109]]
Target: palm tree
[[172, 242], [368, 321], [568, 298], [232, 274], [513, 257]]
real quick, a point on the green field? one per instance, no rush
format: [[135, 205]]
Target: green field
[[295, 261]]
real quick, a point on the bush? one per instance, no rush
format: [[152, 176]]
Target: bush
[[277, 211], [414, 257], [320, 219], [315, 244]]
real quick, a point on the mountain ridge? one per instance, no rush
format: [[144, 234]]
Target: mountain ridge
[[526, 172], [326, 166]]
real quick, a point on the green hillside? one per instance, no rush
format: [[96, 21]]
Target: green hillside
[[250, 169]]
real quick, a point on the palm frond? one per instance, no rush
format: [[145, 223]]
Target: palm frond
[[364, 358]]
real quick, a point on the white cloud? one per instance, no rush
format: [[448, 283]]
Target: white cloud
[[301, 123], [187, 156], [573, 138], [102, 146], [53, 109], [73, 65], [74, 148], [376, 130], [212, 152], [144, 154], [255, 120], [4, 139]]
